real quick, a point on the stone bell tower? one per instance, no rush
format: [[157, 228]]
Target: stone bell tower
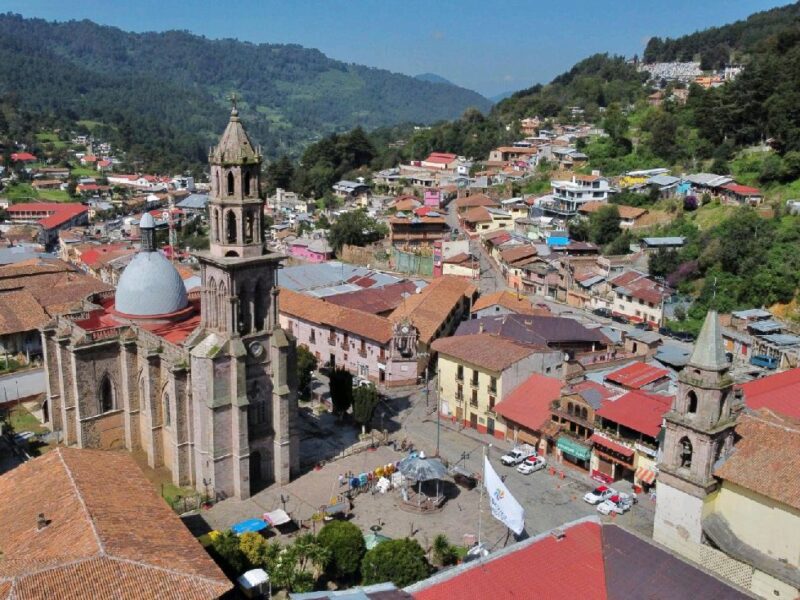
[[699, 431], [242, 362]]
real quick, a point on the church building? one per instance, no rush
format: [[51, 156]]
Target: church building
[[728, 491], [201, 383]]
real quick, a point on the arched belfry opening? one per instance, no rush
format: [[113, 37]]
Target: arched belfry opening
[[230, 228], [230, 183]]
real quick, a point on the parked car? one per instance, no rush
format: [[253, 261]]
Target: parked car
[[517, 455], [620, 319], [665, 331], [683, 336], [602, 312], [532, 464], [762, 360], [599, 494], [620, 504], [644, 326]]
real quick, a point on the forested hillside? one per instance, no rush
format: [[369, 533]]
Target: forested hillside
[[716, 46], [172, 87]]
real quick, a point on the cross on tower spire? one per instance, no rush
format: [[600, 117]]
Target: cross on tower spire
[[234, 100]]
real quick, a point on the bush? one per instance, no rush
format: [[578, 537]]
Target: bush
[[402, 562], [444, 553], [345, 543], [226, 547]]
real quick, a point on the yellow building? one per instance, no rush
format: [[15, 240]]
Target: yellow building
[[477, 371], [728, 490]]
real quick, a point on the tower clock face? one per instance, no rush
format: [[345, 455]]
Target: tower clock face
[[256, 349]]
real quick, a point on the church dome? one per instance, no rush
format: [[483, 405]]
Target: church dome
[[150, 286]]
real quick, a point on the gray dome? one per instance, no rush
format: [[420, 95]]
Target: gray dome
[[149, 286], [147, 222]]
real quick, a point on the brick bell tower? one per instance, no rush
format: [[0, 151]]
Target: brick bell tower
[[699, 431], [243, 385]]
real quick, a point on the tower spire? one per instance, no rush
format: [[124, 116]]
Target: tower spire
[[709, 350]]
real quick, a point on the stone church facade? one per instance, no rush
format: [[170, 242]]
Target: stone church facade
[[202, 384]]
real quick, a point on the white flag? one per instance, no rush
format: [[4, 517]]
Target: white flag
[[505, 507]]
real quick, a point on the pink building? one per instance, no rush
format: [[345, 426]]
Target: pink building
[[367, 345], [433, 198], [315, 251]]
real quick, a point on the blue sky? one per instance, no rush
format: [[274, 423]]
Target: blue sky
[[487, 46]]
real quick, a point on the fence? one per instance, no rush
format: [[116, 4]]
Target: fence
[[378, 257]]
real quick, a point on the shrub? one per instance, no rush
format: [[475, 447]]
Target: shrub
[[402, 562], [345, 543]]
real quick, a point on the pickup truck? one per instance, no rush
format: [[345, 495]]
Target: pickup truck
[[599, 494], [762, 360], [517, 455]]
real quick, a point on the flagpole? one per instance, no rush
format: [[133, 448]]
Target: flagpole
[[483, 487]]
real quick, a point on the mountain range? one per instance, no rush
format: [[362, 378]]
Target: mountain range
[[177, 84]]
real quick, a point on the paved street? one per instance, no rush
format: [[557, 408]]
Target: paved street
[[22, 385]]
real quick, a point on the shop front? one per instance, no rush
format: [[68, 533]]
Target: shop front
[[572, 451], [611, 461]]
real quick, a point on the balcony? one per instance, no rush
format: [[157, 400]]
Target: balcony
[[474, 382]]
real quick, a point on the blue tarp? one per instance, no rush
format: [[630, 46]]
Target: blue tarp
[[249, 526], [557, 241]]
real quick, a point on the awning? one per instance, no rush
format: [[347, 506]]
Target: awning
[[277, 517], [613, 446], [249, 526], [573, 448], [645, 475]]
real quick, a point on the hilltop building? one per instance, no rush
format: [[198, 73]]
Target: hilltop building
[[201, 383]]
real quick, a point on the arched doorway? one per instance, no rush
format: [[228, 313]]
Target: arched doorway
[[256, 480]]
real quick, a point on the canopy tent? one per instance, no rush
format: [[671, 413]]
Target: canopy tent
[[277, 517], [249, 526]]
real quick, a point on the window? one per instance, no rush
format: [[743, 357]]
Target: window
[[570, 408], [474, 400], [475, 375], [493, 384], [691, 406], [230, 183], [106, 399], [460, 373], [247, 184], [685, 453], [459, 392], [231, 228], [491, 402], [313, 337], [167, 411]]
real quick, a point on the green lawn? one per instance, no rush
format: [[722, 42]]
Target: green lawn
[[84, 172], [709, 215], [22, 420], [54, 195]]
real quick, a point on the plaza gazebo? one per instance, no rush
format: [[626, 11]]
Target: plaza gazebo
[[420, 469]]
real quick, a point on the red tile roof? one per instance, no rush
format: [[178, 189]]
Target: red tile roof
[[509, 300], [742, 190], [56, 213], [637, 410], [548, 568], [23, 157], [479, 214], [764, 460], [483, 350], [440, 157], [529, 404], [474, 200], [108, 533], [779, 392], [637, 375], [375, 300]]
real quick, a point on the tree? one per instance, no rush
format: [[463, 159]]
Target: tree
[[402, 562], [355, 228], [226, 546], [663, 141], [323, 222], [280, 174], [663, 262], [345, 544], [579, 229], [258, 551], [341, 387], [444, 553], [604, 224], [621, 245], [299, 565], [306, 364], [365, 400]]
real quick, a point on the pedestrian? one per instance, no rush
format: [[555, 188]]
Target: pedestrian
[[341, 480]]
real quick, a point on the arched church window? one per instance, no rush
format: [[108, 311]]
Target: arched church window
[[691, 406], [247, 184], [248, 230], [166, 410], [218, 187], [685, 453], [230, 183], [231, 228], [106, 398], [260, 302], [584, 413], [570, 408]]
